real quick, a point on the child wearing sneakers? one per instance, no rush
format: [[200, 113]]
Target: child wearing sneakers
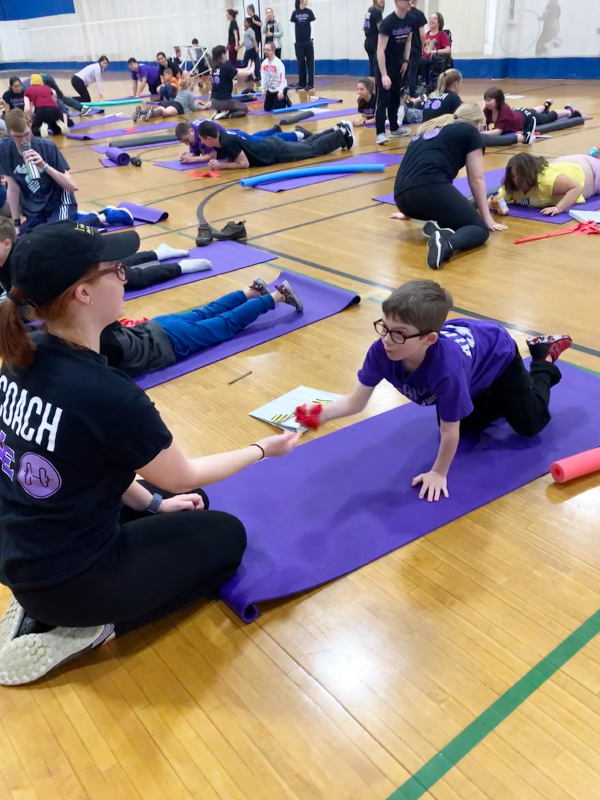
[[163, 341], [469, 369]]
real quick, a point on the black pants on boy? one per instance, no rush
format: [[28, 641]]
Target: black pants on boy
[[444, 204], [48, 114], [321, 144], [413, 73], [541, 119], [144, 270], [158, 564], [518, 396], [305, 55], [272, 101], [388, 101]]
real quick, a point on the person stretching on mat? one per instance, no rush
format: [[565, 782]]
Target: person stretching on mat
[[501, 118], [366, 100], [553, 186], [223, 76], [470, 370], [143, 75], [184, 103], [41, 108], [88, 75], [47, 198], [200, 153], [234, 152], [150, 345], [88, 551], [424, 190]]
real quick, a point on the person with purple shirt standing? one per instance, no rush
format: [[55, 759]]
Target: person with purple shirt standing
[[143, 75], [470, 370]]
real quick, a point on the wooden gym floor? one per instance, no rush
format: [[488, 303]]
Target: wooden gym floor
[[346, 692]]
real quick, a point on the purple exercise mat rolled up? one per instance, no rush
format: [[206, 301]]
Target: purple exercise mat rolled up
[[321, 533], [145, 213], [88, 123], [119, 157]]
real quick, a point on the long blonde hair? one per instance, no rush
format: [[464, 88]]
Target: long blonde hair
[[446, 79], [468, 112]]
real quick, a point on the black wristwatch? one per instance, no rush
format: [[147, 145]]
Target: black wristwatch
[[154, 504]]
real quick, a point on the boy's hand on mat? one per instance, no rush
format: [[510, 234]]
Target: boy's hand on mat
[[186, 158], [433, 485], [279, 445], [552, 211], [182, 502]]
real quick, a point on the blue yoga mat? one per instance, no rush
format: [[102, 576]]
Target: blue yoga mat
[[346, 498], [320, 300]]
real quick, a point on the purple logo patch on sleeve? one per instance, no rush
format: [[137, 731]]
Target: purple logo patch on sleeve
[[38, 477]]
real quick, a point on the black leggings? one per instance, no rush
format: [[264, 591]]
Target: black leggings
[[272, 100], [144, 270], [388, 101], [305, 56], [450, 209], [541, 119], [371, 50], [83, 96], [158, 564], [321, 144], [48, 114]]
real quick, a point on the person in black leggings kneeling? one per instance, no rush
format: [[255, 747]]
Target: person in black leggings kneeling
[[88, 550], [424, 189]]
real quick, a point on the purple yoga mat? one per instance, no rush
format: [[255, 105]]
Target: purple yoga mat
[[145, 213], [116, 158], [528, 212], [348, 495], [493, 179], [87, 123], [102, 148], [225, 257], [388, 159], [158, 126], [333, 114], [113, 228], [320, 300], [176, 164]]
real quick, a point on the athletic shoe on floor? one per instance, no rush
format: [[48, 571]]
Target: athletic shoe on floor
[[85, 111], [64, 128], [347, 128], [231, 231], [137, 113], [277, 128], [529, 130], [291, 298], [44, 130], [148, 114], [310, 88], [260, 285], [220, 115], [204, 236], [381, 138], [401, 114], [575, 112], [399, 133], [117, 216], [542, 346], [594, 152], [306, 133], [548, 104], [431, 227], [439, 250]]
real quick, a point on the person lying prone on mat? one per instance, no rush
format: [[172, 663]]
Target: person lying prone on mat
[[234, 152], [200, 153], [85, 545], [184, 102], [501, 118], [553, 186], [470, 370], [153, 344]]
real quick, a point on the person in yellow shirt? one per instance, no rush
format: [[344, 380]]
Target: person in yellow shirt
[[553, 186]]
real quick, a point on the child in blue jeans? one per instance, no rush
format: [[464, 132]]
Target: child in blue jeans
[[469, 369], [153, 344]]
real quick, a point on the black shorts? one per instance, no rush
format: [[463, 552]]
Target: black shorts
[[174, 104]]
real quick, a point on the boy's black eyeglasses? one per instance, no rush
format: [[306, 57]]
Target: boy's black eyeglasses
[[396, 336], [118, 269]]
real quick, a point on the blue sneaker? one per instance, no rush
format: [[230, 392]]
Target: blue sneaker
[[594, 152], [117, 216]]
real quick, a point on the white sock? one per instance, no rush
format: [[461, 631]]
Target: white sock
[[164, 251], [300, 135], [194, 265]]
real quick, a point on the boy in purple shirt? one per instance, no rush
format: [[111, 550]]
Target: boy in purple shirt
[[469, 369], [142, 75]]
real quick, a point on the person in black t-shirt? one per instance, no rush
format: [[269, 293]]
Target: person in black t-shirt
[[365, 89], [256, 25], [305, 51], [424, 190], [233, 152], [393, 50], [373, 19], [14, 97], [87, 549], [223, 75], [445, 99], [167, 63], [416, 48], [233, 37]]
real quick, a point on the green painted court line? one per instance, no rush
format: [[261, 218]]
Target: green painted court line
[[447, 758]]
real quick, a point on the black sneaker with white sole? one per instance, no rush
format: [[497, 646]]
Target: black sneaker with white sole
[[431, 227], [439, 250], [347, 129], [306, 133], [575, 112], [529, 129]]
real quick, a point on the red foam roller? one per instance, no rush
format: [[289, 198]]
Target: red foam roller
[[575, 466]]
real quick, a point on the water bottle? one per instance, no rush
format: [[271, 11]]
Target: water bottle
[[32, 169]]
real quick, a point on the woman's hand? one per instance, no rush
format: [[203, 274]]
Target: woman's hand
[[181, 502], [279, 445], [386, 82], [551, 211], [496, 227], [398, 215]]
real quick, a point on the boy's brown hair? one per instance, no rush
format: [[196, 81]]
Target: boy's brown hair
[[423, 304]]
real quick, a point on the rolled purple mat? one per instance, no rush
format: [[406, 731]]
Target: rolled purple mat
[[120, 157], [145, 213]]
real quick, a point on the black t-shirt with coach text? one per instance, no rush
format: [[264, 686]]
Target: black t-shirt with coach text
[[437, 105], [14, 100], [416, 46], [259, 153], [73, 432], [437, 156], [302, 20], [222, 82], [398, 29], [373, 19]]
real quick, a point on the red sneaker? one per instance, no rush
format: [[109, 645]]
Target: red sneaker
[[542, 346]]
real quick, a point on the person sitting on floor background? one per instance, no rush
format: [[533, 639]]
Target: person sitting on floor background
[[223, 76], [184, 102], [501, 118]]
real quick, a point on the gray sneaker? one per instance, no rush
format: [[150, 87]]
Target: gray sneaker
[[136, 114], [260, 285], [291, 298]]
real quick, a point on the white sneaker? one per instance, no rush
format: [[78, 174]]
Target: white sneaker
[[44, 130], [220, 115], [63, 127], [381, 138]]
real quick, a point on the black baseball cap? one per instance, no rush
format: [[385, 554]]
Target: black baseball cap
[[49, 259]]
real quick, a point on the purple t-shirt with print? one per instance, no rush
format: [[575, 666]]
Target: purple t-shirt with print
[[150, 72], [199, 149], [463, 363]]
